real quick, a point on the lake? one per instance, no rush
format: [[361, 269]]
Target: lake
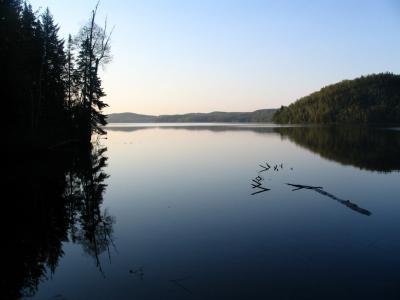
[[214, 211]]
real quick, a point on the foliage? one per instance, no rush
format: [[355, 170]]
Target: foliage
[[369, 99], [50, 92]]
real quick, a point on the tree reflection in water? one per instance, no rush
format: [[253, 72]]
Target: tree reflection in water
[[366, 147], [55, 197], [369, 148]]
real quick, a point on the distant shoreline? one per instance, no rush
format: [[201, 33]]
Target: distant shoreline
[[258, 116]]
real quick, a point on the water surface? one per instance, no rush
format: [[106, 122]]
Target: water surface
[[179, 220]]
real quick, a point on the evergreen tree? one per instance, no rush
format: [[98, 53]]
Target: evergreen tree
[[94, 51], [70, 75], [10, 64], [52, 76], [49, 95], [30, 74]]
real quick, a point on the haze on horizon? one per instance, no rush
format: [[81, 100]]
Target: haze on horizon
[[176, 56]]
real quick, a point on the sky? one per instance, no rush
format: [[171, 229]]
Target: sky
[[180, 56]]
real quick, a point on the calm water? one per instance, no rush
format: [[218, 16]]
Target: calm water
[[206, 212]]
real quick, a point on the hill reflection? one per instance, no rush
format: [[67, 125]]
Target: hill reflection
[[55, 197], [199, 127], [369, 148], [374, 149]]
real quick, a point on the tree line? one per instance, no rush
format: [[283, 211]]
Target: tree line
[[262, 115], [51, 95], [51, 89], [369, 99]]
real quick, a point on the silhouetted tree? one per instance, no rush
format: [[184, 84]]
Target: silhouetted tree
[[57, 191], [12, 91], [52, 95], [94, 51], [70, 75], [31, 59]]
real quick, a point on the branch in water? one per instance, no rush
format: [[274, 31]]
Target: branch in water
[[319, 190]]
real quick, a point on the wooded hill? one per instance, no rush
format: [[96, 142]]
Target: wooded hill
[[369, 99], [262, 115]]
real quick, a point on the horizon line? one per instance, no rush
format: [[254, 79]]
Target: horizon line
[[214, 111]]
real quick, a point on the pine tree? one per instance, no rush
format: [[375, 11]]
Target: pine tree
[[52, 76], [31, 58], [70, 75], [10, 64], [94, 51], [51, 95]]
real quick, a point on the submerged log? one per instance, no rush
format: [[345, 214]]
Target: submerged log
[[300, 186], [319, 190]]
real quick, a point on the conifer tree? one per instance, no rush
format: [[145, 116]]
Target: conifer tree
[[31, 51], [52, 73], [70, 75], [94, 51], [51, 94]]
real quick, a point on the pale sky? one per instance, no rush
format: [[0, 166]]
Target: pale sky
[[179, 56]]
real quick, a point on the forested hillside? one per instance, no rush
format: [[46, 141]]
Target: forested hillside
[[262, 115], [369, 99]]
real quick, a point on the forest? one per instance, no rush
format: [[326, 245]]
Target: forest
[[51, 88], [52, 100], [262, 115], [368, 99]]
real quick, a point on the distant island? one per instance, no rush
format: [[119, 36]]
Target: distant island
[[368, 99], [258, 116]]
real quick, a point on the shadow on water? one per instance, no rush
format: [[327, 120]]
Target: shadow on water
[[222, 127], [53, 198], [369, 148]]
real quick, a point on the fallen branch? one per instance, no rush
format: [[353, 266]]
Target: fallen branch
[[319, 190], [300, 186]]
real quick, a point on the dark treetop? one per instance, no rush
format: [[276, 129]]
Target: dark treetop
[[51, 92]]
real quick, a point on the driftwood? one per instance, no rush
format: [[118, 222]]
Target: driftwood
[[300, 186], [262, 189], [258, 185], [264, 168], [319, 190]]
